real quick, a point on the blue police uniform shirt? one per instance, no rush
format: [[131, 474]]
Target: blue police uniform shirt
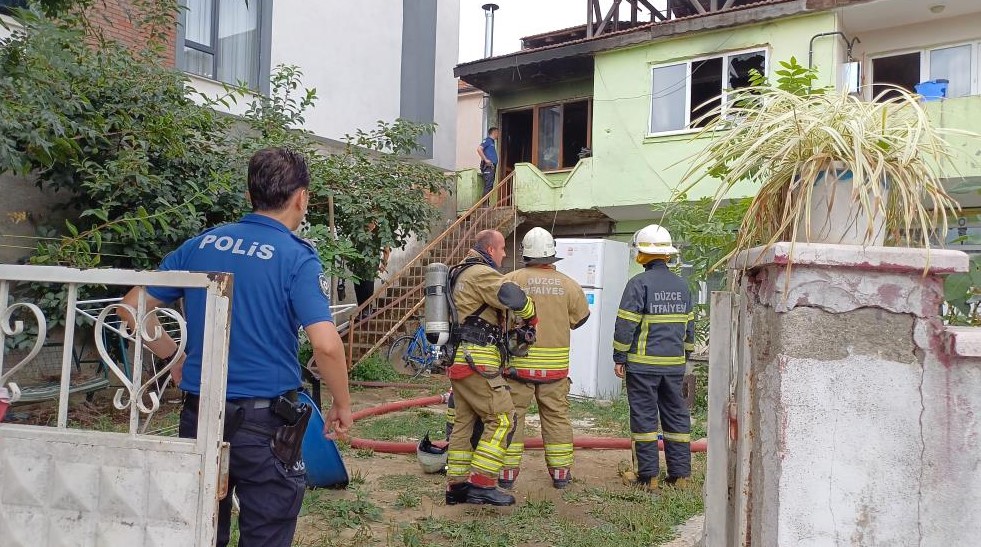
[[278, 287], [490, 149]]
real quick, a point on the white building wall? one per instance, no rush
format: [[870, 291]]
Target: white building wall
[[469, 121]]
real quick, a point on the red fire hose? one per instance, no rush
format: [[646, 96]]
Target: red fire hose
[[391, 447]]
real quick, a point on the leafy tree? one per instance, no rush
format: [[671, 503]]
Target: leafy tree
[[147, 167], [705, 238]]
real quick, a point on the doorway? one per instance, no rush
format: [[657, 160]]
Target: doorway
[[516, 139]]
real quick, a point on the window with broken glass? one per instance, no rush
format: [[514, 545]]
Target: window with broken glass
[[682, 93]]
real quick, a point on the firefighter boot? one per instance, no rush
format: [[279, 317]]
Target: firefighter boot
[[561, 476], [457, 492], [676, 482], [507, 478], [483, 491]]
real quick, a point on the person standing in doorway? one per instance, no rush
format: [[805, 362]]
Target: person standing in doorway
[[488, 159], [278, 287], [653, 336]]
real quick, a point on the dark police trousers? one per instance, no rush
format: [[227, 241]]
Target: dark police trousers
[[269, 494], [648, 396]]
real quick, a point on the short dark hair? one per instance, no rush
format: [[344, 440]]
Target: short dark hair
[[491, 130], [274, 175], [485, 239]]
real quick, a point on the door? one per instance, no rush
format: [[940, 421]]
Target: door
[[516, 139]]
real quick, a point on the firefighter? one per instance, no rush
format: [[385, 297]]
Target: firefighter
[[543, 375], [481, 297], [654, 334]]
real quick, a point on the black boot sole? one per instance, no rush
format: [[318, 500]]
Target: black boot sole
[[477, 501]]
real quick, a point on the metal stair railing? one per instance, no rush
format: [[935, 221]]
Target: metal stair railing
[[401, 297]]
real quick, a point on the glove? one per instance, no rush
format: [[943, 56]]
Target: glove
[[532, 321]]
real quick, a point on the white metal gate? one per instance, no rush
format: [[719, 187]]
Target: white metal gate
[[67, 486]]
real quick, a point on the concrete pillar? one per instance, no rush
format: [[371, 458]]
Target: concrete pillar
[[859, 423]]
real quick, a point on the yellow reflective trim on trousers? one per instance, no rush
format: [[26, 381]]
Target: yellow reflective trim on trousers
[[450, 414], [655, 359], [689, 346], [557, 448], [555, 461], [677, 437], [629, 315], [691, 316], [491, 465], [459, 454], [617, 346], [664, 318], [644, 437], [484, 446], [513, 456], [503, 426]]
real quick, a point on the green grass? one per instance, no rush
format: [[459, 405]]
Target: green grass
[[414, 423]]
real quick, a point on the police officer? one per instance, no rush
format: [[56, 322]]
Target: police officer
[[654, 334], [543, 374], [278, 287], [481, 297]]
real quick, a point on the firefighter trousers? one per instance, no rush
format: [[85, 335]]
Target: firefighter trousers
[[649, 396], [478, 399], [553, 408]]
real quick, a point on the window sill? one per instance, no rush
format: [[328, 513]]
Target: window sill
[[671, 136], [218, 84]]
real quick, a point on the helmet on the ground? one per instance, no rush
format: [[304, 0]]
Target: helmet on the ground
[[431, 457], [653, 240], [538, 247]]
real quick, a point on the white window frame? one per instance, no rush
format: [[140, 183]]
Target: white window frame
[[925, 64], [688, 69]]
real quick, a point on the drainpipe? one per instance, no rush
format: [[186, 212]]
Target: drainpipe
[[489, 10]]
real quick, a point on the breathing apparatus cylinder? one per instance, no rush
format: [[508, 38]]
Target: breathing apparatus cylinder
[[437, 304]]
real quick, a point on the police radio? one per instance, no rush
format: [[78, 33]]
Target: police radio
[[437, 304]]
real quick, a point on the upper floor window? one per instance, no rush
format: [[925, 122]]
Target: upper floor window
[[682, 93], [224, 40], [958, 64]]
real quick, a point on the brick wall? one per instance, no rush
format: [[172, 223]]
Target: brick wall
[[119, 19]]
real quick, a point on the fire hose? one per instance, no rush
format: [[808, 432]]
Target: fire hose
[[393, 447]]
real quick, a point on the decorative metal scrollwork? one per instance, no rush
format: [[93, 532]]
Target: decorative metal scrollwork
[[16, 328], [136, 388]]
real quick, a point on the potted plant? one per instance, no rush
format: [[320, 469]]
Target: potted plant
[[830, 167]]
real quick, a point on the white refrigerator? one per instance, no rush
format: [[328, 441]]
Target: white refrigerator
[[600, 267]]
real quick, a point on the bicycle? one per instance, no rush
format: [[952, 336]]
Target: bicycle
[[417, 354]]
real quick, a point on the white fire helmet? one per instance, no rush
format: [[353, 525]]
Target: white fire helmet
[[538, 247], [653, 240]]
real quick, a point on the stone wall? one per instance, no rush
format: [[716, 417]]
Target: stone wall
[[861, 426]]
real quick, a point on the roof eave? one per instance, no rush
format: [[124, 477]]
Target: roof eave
[[659, 31]]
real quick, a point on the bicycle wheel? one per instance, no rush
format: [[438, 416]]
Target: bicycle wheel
[[398, 356]]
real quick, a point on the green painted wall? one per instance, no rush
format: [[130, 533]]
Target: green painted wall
[[576, 89], [628, 166]]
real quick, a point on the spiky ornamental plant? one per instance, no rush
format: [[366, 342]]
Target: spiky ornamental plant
[[785, 137]]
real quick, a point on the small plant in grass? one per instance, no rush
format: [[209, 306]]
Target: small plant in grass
[[374, 369], [357, 478], [364, 453], [407, 499]]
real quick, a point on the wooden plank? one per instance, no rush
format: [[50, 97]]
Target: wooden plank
[[721, 328], [739, 524]]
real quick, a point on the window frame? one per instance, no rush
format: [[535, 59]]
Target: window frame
[[535, 108], [724, 91], [264, 29], [924, 53]]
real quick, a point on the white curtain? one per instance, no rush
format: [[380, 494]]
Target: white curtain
[[238, 41], [197, 28]]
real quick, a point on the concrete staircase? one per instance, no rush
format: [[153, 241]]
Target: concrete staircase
[[400, 300]]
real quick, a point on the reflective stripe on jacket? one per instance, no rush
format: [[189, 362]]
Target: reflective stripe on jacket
[[655, 326], [561, 307]]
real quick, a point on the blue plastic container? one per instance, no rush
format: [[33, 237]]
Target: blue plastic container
[[325, 468], [932, 90]]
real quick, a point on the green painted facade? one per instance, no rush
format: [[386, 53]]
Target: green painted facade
[[629, 167]]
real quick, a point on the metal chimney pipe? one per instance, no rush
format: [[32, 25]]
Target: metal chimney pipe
[[489, 10]]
